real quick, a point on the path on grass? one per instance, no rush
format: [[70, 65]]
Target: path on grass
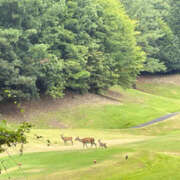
[[156, 120], [34, 148]]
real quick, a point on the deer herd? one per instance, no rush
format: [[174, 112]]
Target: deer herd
[[84, 141]]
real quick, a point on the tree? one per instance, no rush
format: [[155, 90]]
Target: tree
[[9, 137], [171, 53], [50, 46], [78, 35], [148, 15]]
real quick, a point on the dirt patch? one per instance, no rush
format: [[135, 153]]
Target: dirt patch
[[13, 113], [114, 94], [167, 79]]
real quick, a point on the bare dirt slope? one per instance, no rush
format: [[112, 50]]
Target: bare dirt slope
[[168, 79], [12, 112]]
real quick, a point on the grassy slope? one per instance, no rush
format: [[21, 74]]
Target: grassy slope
[[155, 158], [165, 86], [158, 97], [136, 107]]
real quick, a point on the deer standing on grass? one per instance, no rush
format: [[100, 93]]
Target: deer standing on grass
[[65, 139], [101, 144], [86, 141], [38, 137]]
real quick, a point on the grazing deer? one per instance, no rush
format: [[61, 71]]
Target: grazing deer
[[86, 141], [102, 144], [38, 137], [65, 139]]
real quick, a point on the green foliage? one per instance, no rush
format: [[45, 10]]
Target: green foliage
[[12, 137], [174, 19], [172, 42], [158, 26], [169, 48], [50, 46], [125, 58]]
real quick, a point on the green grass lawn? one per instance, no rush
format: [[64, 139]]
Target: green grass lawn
[[154, 98], [136, 107], [155, 158], [168, 90], [50, 162], [153, 151]]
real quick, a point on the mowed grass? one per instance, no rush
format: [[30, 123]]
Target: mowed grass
[[154, 158], [111, 164], [153, 98], [45, 163], [111, 137], [136, 107], [164, 89], [153, 151], [166, 85]]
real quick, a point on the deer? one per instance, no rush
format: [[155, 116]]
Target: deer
[[65, 139], [38, 137], [101, 144], [86, 141]]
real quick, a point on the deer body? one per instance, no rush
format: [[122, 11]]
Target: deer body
[[86, 141], [66, 139], [101, 144], [38, 137]]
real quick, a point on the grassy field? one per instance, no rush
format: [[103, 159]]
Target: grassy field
[[153, 98], [153, 151], [165, 86], [136, 107], [150, 155]]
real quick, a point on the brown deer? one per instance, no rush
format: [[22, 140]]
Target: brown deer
[[101, 144], [38, 137], [65, 139], [86, 141]]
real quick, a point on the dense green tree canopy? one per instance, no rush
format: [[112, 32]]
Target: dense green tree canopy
[[49, 46], [158, 26], [172, 47]]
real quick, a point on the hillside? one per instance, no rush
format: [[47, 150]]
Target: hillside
[[117, 108], [148, 153], [153, 153]]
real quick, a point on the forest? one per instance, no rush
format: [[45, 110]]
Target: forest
[[51, 46]]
